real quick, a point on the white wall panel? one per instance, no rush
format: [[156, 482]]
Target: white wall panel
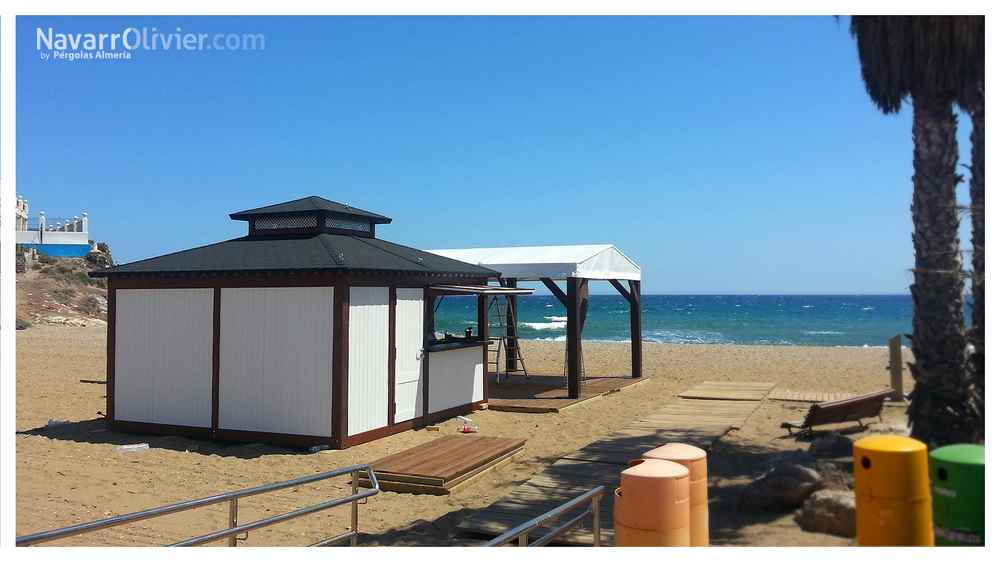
[[163, 356], [368, 360], [455, 378], [276, 360], [409, 352]]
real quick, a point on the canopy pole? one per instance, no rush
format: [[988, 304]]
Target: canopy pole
[[576, 289], [635, 312], [511, 347]]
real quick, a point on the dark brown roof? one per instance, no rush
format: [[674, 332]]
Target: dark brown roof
[[312, 204], [336, 252]]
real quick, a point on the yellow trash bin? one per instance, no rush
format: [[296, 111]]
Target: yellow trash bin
[[651, 506], [696, 461], [892, 492]]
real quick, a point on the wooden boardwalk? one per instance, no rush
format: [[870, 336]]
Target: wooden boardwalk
[[712, 390], [439, 466], [785, 395], [542, 394], [698, 422]]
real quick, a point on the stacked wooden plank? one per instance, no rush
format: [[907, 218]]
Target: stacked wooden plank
[[698, 422], [439, 466], [721, 390]]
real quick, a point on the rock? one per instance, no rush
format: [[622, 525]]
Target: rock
[[832, 445], [785, 486], [71, 321], [100, 257], [828, 511]]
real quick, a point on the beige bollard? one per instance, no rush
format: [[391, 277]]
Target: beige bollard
[[696, 461], [651, 506]]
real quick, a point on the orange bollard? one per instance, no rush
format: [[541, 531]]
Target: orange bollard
[[696, 461], [652, 505], [892, 492]]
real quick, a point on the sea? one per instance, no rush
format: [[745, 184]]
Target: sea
[[817, 320]]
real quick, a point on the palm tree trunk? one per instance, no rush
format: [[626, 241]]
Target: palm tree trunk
[[977, 191], [940, 407]]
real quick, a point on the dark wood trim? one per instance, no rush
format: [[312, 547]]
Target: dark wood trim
[[284, 278], [341, 333], [147, 428], [635, 327], [109, 384], [216, 342], [392, 356], [415, 423], [285, 439], [559, 294], [232, 435]]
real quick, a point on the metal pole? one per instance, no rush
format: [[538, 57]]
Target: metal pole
[[234, 511], [354, 509], [595, 506]]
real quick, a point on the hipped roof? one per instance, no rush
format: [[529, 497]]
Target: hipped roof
[[311, 204], [313, 252]]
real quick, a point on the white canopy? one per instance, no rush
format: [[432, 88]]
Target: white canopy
[[529, 263]]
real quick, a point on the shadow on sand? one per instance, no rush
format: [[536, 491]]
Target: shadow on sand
[[95, 431], [732, 465]]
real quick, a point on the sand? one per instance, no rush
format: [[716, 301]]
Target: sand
[[72, 473]]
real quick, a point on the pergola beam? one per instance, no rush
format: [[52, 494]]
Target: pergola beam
[[559, 294]]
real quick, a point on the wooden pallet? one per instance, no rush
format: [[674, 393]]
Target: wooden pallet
[[715, 390], [440, 466], [785, 395], [698, 422], [547, 397]]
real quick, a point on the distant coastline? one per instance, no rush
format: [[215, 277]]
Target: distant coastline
[[793, 320]]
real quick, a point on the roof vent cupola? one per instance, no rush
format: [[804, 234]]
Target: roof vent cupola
[[310, 215]]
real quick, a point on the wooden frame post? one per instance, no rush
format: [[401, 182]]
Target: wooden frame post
[[635, 326], [575, 293], [341, 333], [511, 335], [635, 314]]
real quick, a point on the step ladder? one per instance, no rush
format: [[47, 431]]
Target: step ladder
[[498, 344]]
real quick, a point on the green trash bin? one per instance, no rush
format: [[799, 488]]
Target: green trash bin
[[958, 491]]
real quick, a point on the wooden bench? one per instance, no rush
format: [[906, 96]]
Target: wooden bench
[[855, 408]]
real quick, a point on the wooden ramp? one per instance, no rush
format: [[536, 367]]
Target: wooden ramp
[[543, 394], [439, 466], [713, 390], [785, 395], [698, 422]]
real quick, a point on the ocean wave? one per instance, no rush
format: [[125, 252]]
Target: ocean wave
[[544, 325], [808, 306], [557, 318], [867, 308], [823, 333], [683, 336]]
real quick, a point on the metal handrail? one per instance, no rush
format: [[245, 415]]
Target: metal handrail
[[521, 532], [233, 498]]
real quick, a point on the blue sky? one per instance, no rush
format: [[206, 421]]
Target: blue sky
[[726, 155]]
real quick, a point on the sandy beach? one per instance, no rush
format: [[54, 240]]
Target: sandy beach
[[71, 472]]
